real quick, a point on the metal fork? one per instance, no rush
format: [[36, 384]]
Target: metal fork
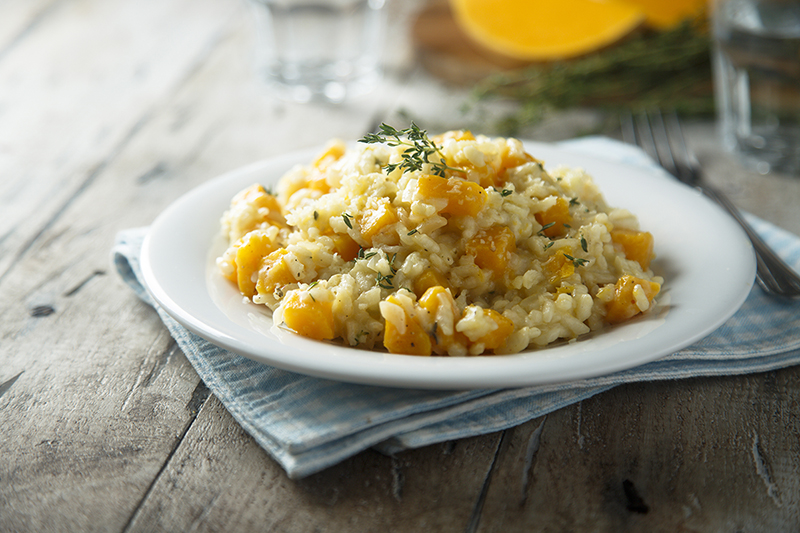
[[664, 140]]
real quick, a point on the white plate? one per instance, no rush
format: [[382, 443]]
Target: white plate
[[708, 263]]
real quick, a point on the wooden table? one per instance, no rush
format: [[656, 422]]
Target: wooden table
[[110, 110]]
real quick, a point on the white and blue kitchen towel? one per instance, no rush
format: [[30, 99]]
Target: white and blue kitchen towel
[[308, 424]]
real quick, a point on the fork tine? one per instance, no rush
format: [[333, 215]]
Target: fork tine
[[661, 140], [675, 132], [628, 128], [644, 135], [772, 273]]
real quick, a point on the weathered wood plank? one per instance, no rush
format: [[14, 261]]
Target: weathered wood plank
[[110, 111], [694, 455], [96, 396], [221, 480], [75, 87]]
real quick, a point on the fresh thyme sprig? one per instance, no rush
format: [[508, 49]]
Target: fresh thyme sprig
[[347, 220], [670, 69], [384, 282], [420, 149], [576, 262]]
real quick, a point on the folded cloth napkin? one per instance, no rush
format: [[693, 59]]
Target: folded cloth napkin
[[308, 424]]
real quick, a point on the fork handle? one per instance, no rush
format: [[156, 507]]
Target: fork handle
[[769, 267]]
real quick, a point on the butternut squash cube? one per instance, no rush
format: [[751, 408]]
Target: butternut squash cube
[[492, 248], [330, 155], [456, 135], [308, 317], [345, 246], [497, 337], [637, 245], [559, 266], [252, 248], [267, 204], [408, 337], [554, 218], [509, 160], [625, 306], [464, 198], [430, 278], [432, 302], [377, 218], [318, 182], [274, 272]]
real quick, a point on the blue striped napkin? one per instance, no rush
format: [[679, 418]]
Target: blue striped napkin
[[308, 424]]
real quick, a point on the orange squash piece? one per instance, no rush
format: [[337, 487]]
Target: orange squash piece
[[554, 218], [431, 301], [274, 272], [430, 278], [345, 246], [559, 266], [413, 341], [637, 245], [308, 317], [507, 160], [376, 219], [623, 307], [258, 196], [495, 338], [456, 135], [663, 15], [330, 155], [465, 198], [252, 249], [544, 30], [492, 248]]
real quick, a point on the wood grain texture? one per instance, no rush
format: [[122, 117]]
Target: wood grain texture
[[110, 110], [221, 480], [695, 455], [78, 81]]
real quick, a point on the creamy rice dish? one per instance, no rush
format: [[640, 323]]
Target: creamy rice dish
[[450, 245]]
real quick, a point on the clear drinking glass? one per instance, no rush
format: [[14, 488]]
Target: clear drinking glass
[[757, 81], [320, 49]]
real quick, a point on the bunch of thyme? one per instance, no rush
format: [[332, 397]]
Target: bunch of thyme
[[668, 69]]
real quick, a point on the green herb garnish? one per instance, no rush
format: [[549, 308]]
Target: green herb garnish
[[545, 227], [362, 255], [347, 220], [576, 262], [384, 282], [419, 149]]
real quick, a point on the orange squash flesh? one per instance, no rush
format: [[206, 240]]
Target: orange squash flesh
[[492, 248], [637, 245], [309, 317], [465, 198], [623, 307], [554, 218]]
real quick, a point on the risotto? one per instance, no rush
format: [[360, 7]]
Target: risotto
[[450, 245]]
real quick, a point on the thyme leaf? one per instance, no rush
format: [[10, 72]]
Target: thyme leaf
[[576, 262], [347, 220], [419, 149]]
